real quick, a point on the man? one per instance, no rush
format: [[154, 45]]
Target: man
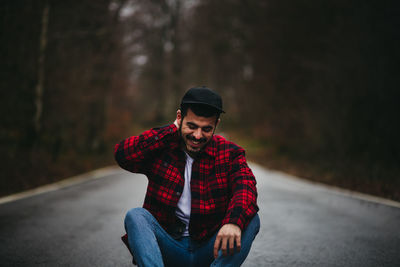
[[200, 207]]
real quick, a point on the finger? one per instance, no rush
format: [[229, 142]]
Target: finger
[[217, 243], [238, 243], [224, 246], [231, 245]]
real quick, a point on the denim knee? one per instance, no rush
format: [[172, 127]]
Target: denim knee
[[136, 215], [255, 223]]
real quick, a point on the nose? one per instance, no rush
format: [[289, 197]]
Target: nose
[[197, 133]]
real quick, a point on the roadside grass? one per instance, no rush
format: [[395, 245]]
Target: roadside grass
[[42, 170], [373, 178]]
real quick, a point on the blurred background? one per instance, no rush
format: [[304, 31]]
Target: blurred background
[[310, 87]]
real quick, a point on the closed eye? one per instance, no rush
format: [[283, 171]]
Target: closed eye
[[192, 126], [207, 129]]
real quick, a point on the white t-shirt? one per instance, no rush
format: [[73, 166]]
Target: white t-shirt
[[185, 202]]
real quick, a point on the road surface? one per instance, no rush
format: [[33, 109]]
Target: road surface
[[301, 225]]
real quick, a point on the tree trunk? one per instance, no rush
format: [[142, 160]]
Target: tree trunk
[[41, 71]]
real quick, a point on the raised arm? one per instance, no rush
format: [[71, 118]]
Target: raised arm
[[135, 153]]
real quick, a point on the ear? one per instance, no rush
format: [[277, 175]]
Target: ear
[[218, 121], [178, 117]]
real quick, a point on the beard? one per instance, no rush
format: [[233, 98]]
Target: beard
[[192, 145]]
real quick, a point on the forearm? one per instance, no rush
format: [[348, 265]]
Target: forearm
[[240, 211], [243, 204], [134, 153]]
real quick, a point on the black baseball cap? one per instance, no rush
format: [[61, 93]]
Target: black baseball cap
[[203, 95]]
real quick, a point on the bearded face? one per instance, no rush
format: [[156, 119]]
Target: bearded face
[[196, 131]]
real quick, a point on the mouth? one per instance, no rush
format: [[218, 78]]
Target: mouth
[[195, 144]]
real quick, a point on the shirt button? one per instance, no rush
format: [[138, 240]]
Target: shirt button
[[178, 193]]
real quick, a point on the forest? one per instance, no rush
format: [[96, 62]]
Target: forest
[[310, 87]]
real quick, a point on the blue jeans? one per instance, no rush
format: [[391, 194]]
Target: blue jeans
[[151, 245]]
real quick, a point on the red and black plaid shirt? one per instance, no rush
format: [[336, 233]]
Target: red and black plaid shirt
[[223, 187]]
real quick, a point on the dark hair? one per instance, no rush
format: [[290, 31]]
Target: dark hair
[[200, 110]]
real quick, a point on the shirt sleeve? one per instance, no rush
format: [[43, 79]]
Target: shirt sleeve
[[134, 153], [243, 205]]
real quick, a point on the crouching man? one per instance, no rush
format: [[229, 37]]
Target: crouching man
[[200, 207]]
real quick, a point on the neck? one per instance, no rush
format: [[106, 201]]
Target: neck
[[190, 153]]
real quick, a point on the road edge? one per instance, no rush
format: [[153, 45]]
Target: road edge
[[106, 171], [74, 180], [337, 190]]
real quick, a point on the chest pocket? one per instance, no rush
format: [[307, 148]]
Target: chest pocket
[[166, 171]]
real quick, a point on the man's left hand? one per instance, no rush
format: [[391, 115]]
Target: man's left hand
[[227, 236]]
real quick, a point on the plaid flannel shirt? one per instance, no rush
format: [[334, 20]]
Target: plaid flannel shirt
[[223, 187]]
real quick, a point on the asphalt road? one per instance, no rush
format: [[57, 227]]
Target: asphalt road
[[301, 225]]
